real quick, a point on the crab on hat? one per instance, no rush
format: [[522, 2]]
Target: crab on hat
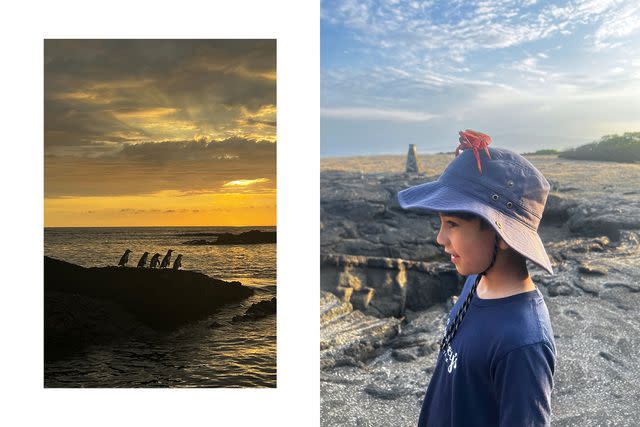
[[508, 192]]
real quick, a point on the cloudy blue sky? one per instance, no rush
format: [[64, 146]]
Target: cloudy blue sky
[[532, 74]]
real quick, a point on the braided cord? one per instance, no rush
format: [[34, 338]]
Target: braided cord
[[453, 328]]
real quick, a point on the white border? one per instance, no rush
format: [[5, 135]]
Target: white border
[[296, 26]]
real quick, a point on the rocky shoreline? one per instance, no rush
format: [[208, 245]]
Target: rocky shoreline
[[384, 262], [84, 306], [258, 310], [247, 238]]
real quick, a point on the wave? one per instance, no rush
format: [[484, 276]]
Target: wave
[[267, 289]]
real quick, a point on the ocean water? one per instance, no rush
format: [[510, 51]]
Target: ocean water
[[196, 355]]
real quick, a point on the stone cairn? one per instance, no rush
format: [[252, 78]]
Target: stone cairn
[[412, 160]]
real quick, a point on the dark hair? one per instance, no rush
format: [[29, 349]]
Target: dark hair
[[468, 216]]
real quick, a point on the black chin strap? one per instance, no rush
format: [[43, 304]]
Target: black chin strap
[[453, 328]]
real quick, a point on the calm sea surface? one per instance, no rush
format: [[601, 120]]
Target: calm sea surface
[[232, 355]]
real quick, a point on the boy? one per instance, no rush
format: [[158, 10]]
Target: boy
[[497, 354]]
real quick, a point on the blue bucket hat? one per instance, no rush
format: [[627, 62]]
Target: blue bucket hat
[[499, 185]]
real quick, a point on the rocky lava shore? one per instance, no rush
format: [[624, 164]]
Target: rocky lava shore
[[387, 287]]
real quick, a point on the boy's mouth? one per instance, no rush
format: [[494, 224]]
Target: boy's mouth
[[454, 257]]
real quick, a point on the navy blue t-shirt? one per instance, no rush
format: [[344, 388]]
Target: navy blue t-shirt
[[498, 370]]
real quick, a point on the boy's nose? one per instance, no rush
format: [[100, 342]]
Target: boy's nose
[[440, 239]]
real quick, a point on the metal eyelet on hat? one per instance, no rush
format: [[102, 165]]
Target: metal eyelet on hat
[[509, 205], [509, 183], [494, 196]]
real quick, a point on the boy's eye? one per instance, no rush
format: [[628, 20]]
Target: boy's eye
[[451, 223]]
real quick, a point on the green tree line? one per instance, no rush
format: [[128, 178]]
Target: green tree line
[[613, 148]]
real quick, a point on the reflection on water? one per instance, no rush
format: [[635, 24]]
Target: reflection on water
[[197, 355]]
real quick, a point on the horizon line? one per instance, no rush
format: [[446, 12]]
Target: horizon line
[[151, 226]]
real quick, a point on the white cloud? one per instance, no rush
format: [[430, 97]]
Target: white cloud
[[451, 34], [245, 182], [617, 25], [377, 114]]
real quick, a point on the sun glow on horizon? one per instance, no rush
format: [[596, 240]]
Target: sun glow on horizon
[[166, 208]]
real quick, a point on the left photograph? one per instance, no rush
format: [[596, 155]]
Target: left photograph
[[159, 213]]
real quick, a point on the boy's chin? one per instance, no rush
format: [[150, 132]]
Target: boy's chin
[[465, 271]]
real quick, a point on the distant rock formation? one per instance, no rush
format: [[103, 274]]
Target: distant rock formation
[[258, 310], [412, 160], [89, 305], [246, 238]]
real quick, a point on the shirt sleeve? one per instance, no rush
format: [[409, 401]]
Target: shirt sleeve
[[522, 383]]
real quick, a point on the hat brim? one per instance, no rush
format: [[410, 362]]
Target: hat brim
[[437, 197]]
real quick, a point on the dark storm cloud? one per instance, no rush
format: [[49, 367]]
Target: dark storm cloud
[[178, 151], [101, 92]]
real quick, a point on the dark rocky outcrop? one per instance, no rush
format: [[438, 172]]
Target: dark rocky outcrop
[[258, 311], [350, 337], [387, 286], [89, 305], [246, 238]]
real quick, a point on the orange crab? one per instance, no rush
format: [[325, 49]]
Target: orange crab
[[474, 140]]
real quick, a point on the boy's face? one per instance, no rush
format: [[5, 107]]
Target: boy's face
[[472, 247]]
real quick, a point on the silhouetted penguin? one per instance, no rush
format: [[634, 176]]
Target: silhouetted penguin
[[143, 260], [166, 260], [178, 262], [125, 258], [155, 261]]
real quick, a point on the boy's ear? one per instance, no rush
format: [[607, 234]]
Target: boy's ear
[[502, 244]]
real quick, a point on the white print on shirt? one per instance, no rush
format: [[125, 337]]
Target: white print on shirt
[[450, 358]]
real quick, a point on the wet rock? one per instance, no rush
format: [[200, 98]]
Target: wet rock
[[258, 311]]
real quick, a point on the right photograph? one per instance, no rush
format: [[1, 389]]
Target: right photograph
[[480, 214]]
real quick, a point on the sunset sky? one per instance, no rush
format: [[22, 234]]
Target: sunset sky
[[532, 74], [159, 132]]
